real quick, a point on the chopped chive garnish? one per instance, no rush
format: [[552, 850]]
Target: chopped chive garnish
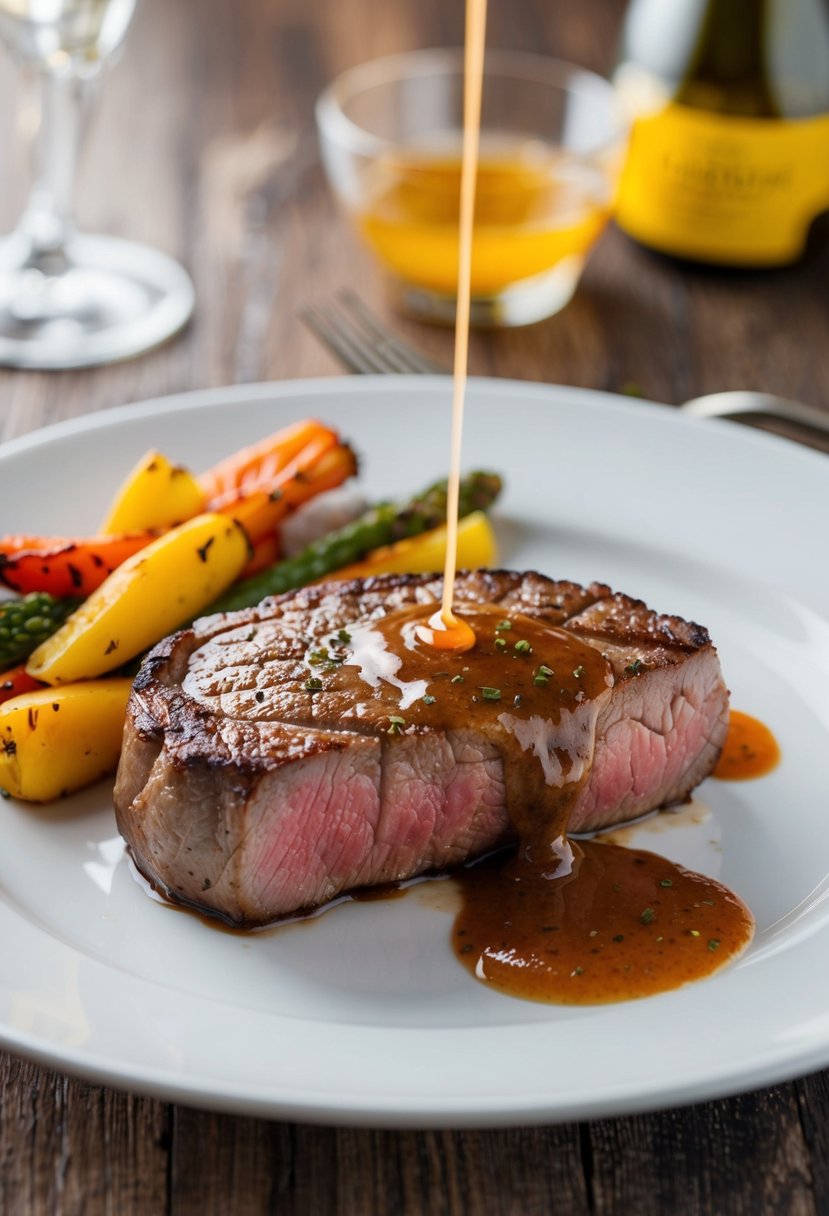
[[500, 643], [313, 685], [522, 646], [620, 937], [457, 679], [316, 657], [428, 699], [396, 724], [344, 636], [713, 944], [504, 625], [577, 971], [634, 668], [665, 882], [647, 915], [540, 681], [578, 672], [694, 932], [491, 694], [545, 671]]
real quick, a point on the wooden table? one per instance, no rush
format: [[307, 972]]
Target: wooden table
[[186, 152]]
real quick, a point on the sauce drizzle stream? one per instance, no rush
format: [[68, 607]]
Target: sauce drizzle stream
[[472, 89]]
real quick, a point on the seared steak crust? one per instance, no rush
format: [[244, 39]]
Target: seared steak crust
[[240, 794]]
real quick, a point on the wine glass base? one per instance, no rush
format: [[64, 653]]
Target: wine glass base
[[523, 303], [96, 301]]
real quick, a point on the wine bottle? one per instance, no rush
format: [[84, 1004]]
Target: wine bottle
[[728, 161]]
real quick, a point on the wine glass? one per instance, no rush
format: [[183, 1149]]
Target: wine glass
[[66, 299]]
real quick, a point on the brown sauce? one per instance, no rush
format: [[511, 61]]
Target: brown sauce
[[620, 924], [557, 921], [521, 674], [750, 750]]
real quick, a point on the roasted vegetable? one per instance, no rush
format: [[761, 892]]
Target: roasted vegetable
[[152, 593], [383, 525], [322, 465], [16, 681], [26, 622], [65, 565], [156, 494], [57, 740], [255, 467], [426, 553]]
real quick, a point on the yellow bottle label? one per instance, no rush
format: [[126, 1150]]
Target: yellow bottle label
[[715, 188]]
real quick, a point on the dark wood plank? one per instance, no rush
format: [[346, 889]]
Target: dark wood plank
[[812, 1094], [272, 1167], [736, 1157], [77, 1149]]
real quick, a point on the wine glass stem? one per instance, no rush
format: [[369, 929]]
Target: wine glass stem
[[47, 221]]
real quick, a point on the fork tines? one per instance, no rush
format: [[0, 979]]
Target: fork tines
[[361, 342]]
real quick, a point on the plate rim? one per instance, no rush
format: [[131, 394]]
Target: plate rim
[[261, 390]]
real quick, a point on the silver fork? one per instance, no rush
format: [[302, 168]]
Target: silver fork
[[362, 343], [365, 345]]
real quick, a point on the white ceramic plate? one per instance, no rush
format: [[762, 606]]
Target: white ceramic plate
[[363, 1015]]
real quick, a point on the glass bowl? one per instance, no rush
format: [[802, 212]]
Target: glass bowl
[[552, 143]]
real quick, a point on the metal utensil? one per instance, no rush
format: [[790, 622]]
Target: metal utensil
[[744, 401], [365, 345], [361, 342]]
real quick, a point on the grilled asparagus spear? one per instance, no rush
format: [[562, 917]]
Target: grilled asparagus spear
[[382, 525]]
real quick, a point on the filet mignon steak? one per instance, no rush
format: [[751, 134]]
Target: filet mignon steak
[[264, 773]]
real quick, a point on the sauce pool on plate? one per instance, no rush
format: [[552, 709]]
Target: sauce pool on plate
[[618, 924], [750, 750]]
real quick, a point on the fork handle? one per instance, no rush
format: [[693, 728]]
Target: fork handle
[[728, 404]]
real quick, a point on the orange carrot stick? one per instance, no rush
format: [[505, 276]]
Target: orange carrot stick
[[16, 681], [257, 464], [322, 465], [64, 565], [265, 553]]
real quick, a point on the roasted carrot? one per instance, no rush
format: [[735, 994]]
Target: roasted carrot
[[321, 465], [264, 553], [16, 681], [64, 565], [255, 466]]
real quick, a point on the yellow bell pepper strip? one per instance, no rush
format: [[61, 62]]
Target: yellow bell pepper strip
[[57, 740], [152, 593], [156, 494], [426, 554]]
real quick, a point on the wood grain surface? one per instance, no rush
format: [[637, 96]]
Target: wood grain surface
[[202, 145]]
